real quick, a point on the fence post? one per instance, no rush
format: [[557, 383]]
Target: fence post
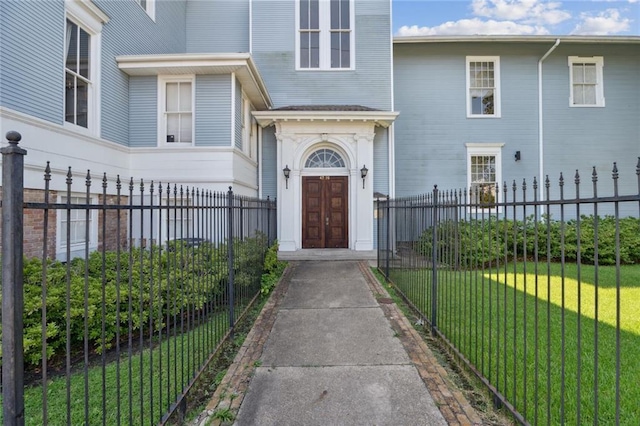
[[434, 260], [12, 284], [388, 237], [230, 288]]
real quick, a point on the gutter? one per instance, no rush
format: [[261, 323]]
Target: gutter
[[540, 119]]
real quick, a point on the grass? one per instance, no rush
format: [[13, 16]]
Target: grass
[[535, 339], [134, 388]]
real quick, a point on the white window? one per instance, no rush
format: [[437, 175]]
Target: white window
[[149, 6], [82, 65], [75, 228], [325, 38], [484, 171], [483, 86], [179, 219], [175, 110], [586, 81]]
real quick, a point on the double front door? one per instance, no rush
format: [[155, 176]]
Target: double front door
[[324, 212]]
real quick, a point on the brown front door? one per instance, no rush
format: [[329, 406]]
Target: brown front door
[[324, 212]]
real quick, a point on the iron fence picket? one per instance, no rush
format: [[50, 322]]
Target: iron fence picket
[[182, 238], [493, 301]]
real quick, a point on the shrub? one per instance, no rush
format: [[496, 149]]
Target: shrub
[[482, 242], [158, 283]]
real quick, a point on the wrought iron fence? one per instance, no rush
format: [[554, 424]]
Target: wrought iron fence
[[125, 292], [538, 296]]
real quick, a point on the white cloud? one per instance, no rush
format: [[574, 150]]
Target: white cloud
[[604, 23], [473, 27], [527, 11]]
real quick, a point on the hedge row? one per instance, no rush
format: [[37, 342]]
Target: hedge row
[[152, 285], [476, 242]]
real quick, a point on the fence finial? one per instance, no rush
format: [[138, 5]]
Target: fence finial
[[13, 137]]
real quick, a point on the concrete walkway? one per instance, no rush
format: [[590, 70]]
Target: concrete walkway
[[330, 347], [332, 358]]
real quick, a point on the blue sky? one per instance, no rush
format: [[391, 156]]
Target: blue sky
[[516, 17]]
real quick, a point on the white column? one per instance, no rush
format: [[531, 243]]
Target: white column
[[363, 213], [287, 199]]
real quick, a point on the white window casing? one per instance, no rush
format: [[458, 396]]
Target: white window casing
[[76, 224], [81, 94], [176, 110], [148, 6], [484, 171], [483, 86], [586, 81], [325, 35]]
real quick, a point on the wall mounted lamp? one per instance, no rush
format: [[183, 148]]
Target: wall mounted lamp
[[287, 172], [363, 174], [517, 156]]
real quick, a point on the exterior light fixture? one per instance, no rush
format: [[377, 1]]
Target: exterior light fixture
[[363, 174], [287, 172], [517, 155]]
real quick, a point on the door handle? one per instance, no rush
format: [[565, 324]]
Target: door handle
[[326, 220]]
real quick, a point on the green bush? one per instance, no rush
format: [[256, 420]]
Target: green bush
[[273, 269], [158, 283], [481, 242]]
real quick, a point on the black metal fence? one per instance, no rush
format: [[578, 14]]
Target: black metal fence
[[125, 292], [538, 296]]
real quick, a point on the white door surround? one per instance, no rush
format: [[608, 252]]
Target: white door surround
[[299, 134]]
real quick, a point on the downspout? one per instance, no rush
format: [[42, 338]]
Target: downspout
[[540, 121]]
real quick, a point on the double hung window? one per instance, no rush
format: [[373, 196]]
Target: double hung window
[[78, 83], [483, 86], [484, 172], [586, 81], [176, 104], [149, 6], [325, 34]]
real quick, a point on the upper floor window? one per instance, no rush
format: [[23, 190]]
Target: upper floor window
[[176, 104], [483, 86], [325, 34], [586, 81], [83, 29], [78, 84], [149, 6]]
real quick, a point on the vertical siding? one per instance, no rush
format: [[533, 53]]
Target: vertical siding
[[269, 163], [143, 111], [274, 52], [32, 71], [238, 115], [130, 31], [217, 26], [213, 110]]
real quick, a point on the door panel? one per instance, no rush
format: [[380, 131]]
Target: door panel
[[324, 212]]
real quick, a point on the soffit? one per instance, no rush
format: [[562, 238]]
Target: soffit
[[379, 118], [202, 64]]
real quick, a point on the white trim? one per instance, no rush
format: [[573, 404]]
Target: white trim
[[87, 14], [77, 249], [233, 110], [324, 24], [162, 96], [90, 18], [202, 63], [150, 9], [598, 61], [478, 38], [489, 149], [379, 118], [496, 95]]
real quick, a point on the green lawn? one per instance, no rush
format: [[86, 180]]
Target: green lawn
[[162, 372], [514, 329]]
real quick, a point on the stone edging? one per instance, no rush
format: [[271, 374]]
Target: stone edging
[[230, 393], [451, 402]]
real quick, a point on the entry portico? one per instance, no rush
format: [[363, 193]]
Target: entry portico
[[325, 203]]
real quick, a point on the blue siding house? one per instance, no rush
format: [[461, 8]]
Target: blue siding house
[[218, 93]]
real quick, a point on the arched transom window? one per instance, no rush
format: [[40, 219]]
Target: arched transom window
[[324, 158]]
